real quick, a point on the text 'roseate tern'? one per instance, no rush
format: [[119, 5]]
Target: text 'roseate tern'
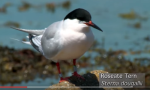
[[67, 39]]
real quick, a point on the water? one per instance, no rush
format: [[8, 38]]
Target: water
[[105, 13]]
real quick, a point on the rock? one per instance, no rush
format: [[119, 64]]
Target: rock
[[91, 80]]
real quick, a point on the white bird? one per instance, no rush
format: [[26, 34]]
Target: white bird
[[67, 39]]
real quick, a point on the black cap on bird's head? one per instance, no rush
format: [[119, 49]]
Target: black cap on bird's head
[[82, 15]]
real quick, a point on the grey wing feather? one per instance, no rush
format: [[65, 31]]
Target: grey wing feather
[[45, 41], [36, 42]]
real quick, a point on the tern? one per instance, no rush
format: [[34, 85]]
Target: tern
[[67, 39]]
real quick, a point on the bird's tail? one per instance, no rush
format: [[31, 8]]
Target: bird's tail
[[34, 32], [34, 38], [26, 42]]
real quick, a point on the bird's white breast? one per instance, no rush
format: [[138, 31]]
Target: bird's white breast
[[75, 44]]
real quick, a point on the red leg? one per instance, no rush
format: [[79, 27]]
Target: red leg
[[60, 75], [75, 70]]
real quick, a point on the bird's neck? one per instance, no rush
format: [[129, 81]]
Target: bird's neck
[[75, 26]]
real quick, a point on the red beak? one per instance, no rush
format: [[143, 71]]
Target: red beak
[[90, 23]]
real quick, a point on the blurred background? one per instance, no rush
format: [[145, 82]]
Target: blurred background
[[122, 47]]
